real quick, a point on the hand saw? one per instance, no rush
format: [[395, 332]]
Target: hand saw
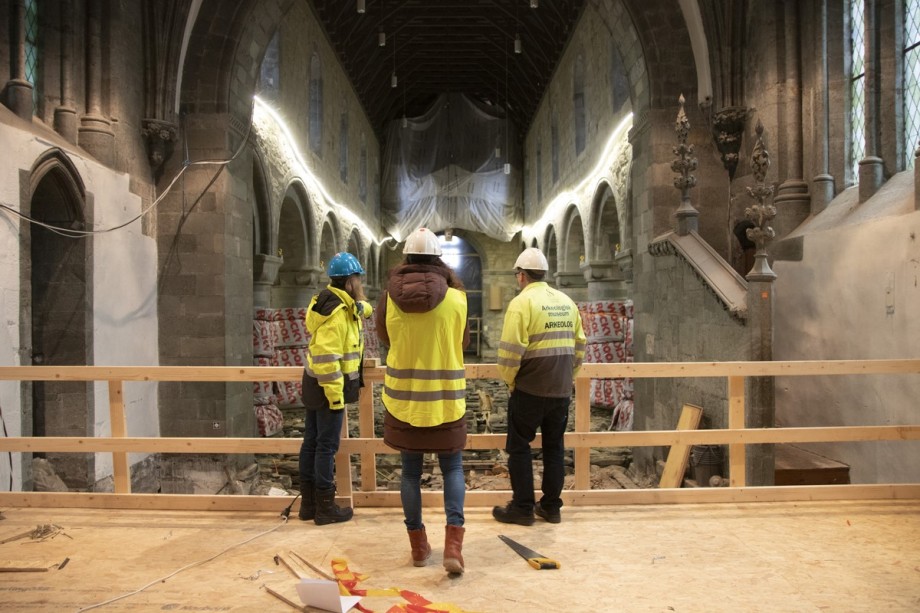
[[533, 558]]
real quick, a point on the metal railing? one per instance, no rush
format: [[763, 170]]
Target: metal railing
[[367, 446]]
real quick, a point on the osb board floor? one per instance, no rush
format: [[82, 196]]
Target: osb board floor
[[812, 556]]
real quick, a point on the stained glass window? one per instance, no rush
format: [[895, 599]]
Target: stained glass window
[[857, 86], [316, 104], [32, 49], [911, 80], [270, 71]]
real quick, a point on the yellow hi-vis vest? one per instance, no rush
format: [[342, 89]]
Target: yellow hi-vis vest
[[425, 381]]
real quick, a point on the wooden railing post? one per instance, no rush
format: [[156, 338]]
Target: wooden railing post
[[121, 473], [736, 453], [343, 467], [582, 424], [366, 428]]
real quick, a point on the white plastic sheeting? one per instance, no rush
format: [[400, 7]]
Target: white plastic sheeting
[[441, 171]]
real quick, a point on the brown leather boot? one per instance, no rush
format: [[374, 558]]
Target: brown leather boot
[[421, 550], [453, 543]]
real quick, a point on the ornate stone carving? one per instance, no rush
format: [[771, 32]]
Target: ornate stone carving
[[727, 130], [762, 212], [160, 138], [685, 164]]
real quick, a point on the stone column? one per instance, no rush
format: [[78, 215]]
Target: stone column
[[871, 167], [792, 200], [761, 400], [18, 89], [65, 115], [605, 280], [822, 184], [95, 134]]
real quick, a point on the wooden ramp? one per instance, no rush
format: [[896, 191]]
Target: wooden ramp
[[797, 466], [796, 556]]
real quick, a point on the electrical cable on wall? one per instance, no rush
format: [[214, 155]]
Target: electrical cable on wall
[[73, 233]]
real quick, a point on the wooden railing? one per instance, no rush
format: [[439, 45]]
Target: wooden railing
[[582, 439]]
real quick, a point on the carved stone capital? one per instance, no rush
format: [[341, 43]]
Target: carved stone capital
[[265, 268], [624, 260], [727, 130], [160, 137], [601, 270], [570, 279]]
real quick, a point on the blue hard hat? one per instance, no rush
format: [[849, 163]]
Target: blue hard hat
[[344, 264]]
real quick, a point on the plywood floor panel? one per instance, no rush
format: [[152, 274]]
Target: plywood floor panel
[[822, 556]]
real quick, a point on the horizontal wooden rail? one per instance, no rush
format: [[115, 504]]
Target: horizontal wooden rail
[[582, 440], [648, 438], [636, 370]]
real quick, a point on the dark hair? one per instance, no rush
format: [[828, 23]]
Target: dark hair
[[534, 275], [338, 282], [453, 280]]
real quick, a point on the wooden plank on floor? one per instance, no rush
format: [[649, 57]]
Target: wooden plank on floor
[[679, 455], [19, 566]]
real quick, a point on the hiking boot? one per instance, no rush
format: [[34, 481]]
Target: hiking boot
[[327, 512], [510, 514], [553, 517], [307, 502]]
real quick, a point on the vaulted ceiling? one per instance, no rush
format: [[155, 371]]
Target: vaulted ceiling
[[440, 46]]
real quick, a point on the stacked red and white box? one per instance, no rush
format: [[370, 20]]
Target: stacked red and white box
[[290, 329], [622, 416], [371, 342], [263, 345], [269, 419]]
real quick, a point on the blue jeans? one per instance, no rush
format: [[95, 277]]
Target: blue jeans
[[526, 413], [322, 430], [410, 488]]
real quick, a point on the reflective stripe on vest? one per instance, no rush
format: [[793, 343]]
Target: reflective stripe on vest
[[425, 381]]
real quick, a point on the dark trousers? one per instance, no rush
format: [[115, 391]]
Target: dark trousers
[[526, 413], [322, 430]]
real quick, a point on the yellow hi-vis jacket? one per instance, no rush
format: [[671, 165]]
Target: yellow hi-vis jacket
[[543, 342], [336, 324], [425, 381]]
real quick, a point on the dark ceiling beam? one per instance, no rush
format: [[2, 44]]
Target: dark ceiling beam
[[459, 46]]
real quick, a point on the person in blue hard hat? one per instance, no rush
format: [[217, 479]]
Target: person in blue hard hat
[[332, 378]]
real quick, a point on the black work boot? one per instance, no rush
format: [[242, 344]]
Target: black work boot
[[553, 517], [510, 514], [307, 502], [327, 512]]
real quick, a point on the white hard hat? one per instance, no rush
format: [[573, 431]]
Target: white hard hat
[[422, 242], [532, 259]]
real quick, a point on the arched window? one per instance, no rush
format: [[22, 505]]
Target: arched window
[[32, 50], [316, 104], [857, 78], [554, 148], [619, 84], [270, 71], [539, 172], [911, 80], [579, 109], [362, 171], [343, 147]]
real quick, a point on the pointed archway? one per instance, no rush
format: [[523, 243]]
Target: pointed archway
[[57, 279]]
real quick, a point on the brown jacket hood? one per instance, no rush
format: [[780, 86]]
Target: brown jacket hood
[[418, 288]]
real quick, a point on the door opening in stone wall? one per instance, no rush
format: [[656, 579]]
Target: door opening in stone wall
[[59, 315], [463, 258]]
